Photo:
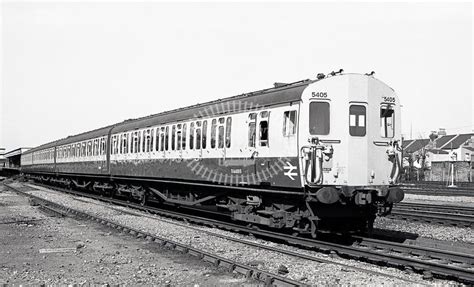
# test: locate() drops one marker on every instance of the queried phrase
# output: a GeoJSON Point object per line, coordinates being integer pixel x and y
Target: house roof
{"type": "Point", "coordinates": [416, 145]}
{"type": "Point", "coordinates": [406, 143]}
{"type": "Point", "coordinates": [457, 141]}
{"type": "Point", "coordinates": [443, 140]}
{"type": "Point", "coordinates": [469, 148]}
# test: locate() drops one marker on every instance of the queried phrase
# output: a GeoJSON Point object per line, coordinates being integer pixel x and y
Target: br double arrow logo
{"type": "Point", "coordinates": [290, 170]}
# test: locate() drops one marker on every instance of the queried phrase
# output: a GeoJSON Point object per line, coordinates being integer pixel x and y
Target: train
{"type": "Point", "coordinates": [317, 155]}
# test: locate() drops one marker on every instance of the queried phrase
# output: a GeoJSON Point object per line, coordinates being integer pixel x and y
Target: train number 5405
{"type": "Point", "coordinates": [389, 99]}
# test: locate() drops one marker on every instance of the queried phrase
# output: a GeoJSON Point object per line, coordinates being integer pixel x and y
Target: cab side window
{"type": "Point", "coordinates": [319, 118]}
{"type": "Point", "coordinates": [387, 121]}
{"type": "Point", "coordinates": [357, 120]}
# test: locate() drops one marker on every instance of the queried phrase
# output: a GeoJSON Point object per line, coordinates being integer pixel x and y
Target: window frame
{"type": "Point", "coordinates": [357, 130]}
{"type": "Point", "coordinates": [252, 130]}
{"type": "Point", "coordinates": [287, 121]}
{"type": "Point", "coordinates": [385, 134]}
{"type": "Point", "coordinates": [328, 119]}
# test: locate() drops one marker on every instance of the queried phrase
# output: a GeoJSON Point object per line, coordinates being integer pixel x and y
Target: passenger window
{"type": "Point", "coordinates": [139, 144]}
{"type": "Point", "coordinates": [221, 137]}
{"type": "Point", "coordinates": [289, 123]}
{"type": "Point", "coordinates": [198, 135]}
{"type": "Point", "coordinates": [162, 139]}
{"type": "Point", "coordinates": [204, 134]}
{"type": "Point", "coordinates": [263, 133]}
{"type": "Point", "coordinates": [228, 125]}
{"type": "Point", "coordinates": [151, 137]}
{"type": "Point", "coordinates": [114, 141]}
{"type": "Point", "coordinates": [213, 133]}
{"type": "Point", "coordinates": [145, 140]}
{"type": "Point", "coordinates": [319, 118]}
{"type": "Point", "coordinates": [117, 143]}
{"type": "Point", "coordinates": [103, 146]}
{"type": "Point", "coordinates": [173, 137]}
{"type": "Point", "coordinates": [191, 136]}
{"type": "Point", "coordinates": [167, 138]}
{"type": "Point", "coordinates": [157, 139]}
{"type": "Point", "coordinates": [357, 121]}
{"type": "Point", "coordinates": [252, 129]}
{"type": "Point", "coordinates": [387, 121]}
{"type": "Point", "coordinates": [135, 144]}
{"type": "Point", "coordinates": [73, 150]}
{"type": "Point", "coordinates": [179, 134]}
{"type": "Point", "coordinates": [125, 143]}
{"type": "Point", "coordinates": [263, 128]}
{"type": "Point", "coordinates": [184, 136]}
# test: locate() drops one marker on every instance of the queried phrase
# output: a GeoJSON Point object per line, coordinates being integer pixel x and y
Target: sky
{"type": "Point", "coordinates": [73, 67]}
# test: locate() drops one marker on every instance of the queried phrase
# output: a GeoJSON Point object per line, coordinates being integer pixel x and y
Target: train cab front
{"type": "Point", "coordinates": [350, 148]}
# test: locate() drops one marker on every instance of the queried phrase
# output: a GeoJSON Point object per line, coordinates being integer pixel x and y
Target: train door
{"type": "Point", "coordinates": [262, 145]}
{"type": "Point", "coordinates": [250, 147]}
{"type": "Point", "coordinates": [103, 155]}
{"type": "Point", "coordinates": [358, 139]}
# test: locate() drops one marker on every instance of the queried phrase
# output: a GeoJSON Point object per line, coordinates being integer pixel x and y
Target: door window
{"type": "Point", "coordinates": [357, 120]}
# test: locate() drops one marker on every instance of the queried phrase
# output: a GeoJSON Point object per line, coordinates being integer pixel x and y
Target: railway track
{"type": "Point", "coordinates": [267, 278]}
{"type": "Point", "coordinates": [462, 216]}
{"type": "Point", "coordinates": [441, 191]}
{"type": "Point", "coordinates": [439, 263]}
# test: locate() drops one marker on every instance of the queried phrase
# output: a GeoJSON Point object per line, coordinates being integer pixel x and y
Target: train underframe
{"type": "Point", "coordinates": [308, 212]}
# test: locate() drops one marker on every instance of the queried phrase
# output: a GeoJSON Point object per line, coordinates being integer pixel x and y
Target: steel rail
{"type": "Point", "coordinates": [446, 215]}
{"type": "Point", "coordinates": [191, 218]}
{"type": "Point", "coordinates": [467, 210]}
{"type": "Point", "coordinates": [436, 192]}
{"type": "Point", "coordinates": [267, 278]}
{"type": "Point", "coordinates": [381, 252]}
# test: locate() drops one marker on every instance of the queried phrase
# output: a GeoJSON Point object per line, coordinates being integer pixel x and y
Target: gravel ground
{"type": "Point", "coordinates": [91, 254]}
{"type": "Point", "coordinates": [309, 272]}
{"type": "Point", "coordinates": [438, 232]}
{"type": "Point", "coordinates": [445, 233]}
{"type": "Point", "coordinates": [435, 199]}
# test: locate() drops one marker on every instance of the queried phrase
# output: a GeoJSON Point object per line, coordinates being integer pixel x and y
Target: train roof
{"type": "Point", "coordinates": [279, 94]}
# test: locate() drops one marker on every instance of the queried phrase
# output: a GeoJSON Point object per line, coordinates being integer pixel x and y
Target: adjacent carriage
{"type": "Point", "coordinates": [312, 155]}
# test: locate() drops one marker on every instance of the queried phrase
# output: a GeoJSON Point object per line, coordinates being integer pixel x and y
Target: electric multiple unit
{"type": "Point", "coordinates": [312, 155]}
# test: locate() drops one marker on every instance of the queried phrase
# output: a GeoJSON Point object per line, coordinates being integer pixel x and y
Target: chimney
{"type": "Point", "coordinates": [442, 132]}
{"type": "Point", "coordinates": [433, 136]}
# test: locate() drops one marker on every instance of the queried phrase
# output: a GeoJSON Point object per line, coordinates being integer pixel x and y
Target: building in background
{"type": "Point", "coordinates": [13, 158]}
{"type": "Point", "coordinates": [2, 157]}
{"type": "Point", "coordinates": [431, 158]}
